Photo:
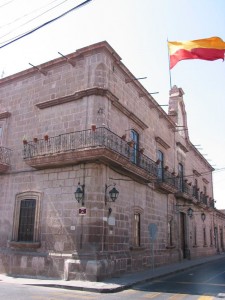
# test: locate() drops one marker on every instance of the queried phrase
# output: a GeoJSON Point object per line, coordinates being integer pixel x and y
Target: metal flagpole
{"type": "Point", "coordinates": [169, 64]}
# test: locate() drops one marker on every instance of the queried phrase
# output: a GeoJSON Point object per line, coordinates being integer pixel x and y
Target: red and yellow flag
{"type": "Point", "coordinates": [208, 49]}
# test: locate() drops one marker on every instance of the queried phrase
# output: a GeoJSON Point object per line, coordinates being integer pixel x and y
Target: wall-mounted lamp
{"type": "Point", "coordinates": [112, 195]}
{"type": "Point", "coordinates": [79, 194]}
{"type": "Point", "coordinates": [190, 212]}
{"type": "Point", "coordinates": [203, 216]}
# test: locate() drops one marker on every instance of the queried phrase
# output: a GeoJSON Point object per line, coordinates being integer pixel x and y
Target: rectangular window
{"type": "Point", "coordinates": [211, 237]}
{"type": "Point", "coordinates": [137, 230]}
{"type": "Point", "coordinates": [26, 220]}
{"type": "Point", "coordinates": [204, 236]}
{"type": "Point", "coordinates": [170, 237]}
{"type": "Point", "coordinates": [195, 236]}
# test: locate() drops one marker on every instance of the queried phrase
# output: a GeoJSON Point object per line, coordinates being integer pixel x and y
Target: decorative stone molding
{"type": "Point", "coordinates": [196, 173]}
{"type": "Point", "coordinates": [182, 147]}
{"type": "Point", "coordinates": [97, 92]}
{"type": "Point", "coordinates": [205, 180]}
{"type": "Point", "coordinates": [78, 95]}
{"type": "Point", "coordinates": [14, 243]}
{"type": "Point", "coordinates": [162, 142]}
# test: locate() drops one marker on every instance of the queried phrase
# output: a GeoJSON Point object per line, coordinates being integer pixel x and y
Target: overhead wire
{"type": "Point", "coordinates": [26, 15]}
{"type": "Point", "coordinates": [44, 24]}
{"type": "Point", "coordinates": [6, 3]}
{"type": "Point", "coordinates": [38, 16]}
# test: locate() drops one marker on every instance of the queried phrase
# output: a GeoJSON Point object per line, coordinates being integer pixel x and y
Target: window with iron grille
{"type": "Point", "coordinates": [26, 220]}
{"type": "Point", "coordinates": [137, 230]}
{"type": "Point", "coordinates": [26, 223]}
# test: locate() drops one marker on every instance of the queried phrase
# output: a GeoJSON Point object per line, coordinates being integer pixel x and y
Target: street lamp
{"type": "Point", "coordinates": [203, 216]}
{"type": "Point", "coordinates": [112, 195]}
{"type": "Point", "coordinates": [190, 212]}
{"type": "Point", "coordinates": [79, 194]}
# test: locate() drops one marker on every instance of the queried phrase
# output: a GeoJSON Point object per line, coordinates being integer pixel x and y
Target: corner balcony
{"type": "Point", "coordinates": [99, 145]}
{"type": "Point", "coordinates": [5, 154]}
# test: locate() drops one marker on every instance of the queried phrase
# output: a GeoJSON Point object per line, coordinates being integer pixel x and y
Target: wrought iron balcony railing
{"type": "Point", "coordinates": [193, 192]}
{"type": "Point", "coordinates": [165, 176]}
{"type": "Point", "coordinates": [5, 154]}
{"type": "Point", "coordinates": [89, 139]}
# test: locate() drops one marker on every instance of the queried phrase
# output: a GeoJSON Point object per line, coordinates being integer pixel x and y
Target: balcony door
{"type": "Point", "coordinates": [135, 138]}
{"type": "Point", "coordinates": [160, 159]}
{"type": "Point", "coordinates": [181, 177]}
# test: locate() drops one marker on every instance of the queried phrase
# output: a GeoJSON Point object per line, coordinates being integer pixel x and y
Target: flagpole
{"type": "Point", "coordinates": [169, 65]}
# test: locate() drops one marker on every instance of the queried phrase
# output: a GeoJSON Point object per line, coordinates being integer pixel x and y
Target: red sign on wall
{"type": "Point", "coordinates": [82, 211]}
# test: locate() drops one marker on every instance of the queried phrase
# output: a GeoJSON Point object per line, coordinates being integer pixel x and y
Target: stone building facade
{"type": "Point", "coordinates": [82, 123]}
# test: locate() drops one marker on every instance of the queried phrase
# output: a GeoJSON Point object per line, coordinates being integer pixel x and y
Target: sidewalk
{"type": "Point", "coordinates": [113, 285]}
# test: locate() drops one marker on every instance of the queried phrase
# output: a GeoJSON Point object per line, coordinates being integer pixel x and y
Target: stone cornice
{"type": "Point", "coordinates": [78, 95]}
{"type": "Point", "coordinates": [5, 115]}
{"type": "Point", "coordinates": [97, 92]}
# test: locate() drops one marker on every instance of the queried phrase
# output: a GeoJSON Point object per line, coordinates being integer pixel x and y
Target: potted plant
{"type": "Point", "coordinates": [46, 137]}
{"type": "Point", "coordinates": [35, 139]}
{"type": "Point", "coordinates": [131, 143]}
{"type": "Point", "coordinates": [142, 150]}
{"type": "Point", "coordinates": [93, 127]}
{"type": "Point", "coordinates": [123, 137]}
{"type": "Point", "coordinates": [24, 140]}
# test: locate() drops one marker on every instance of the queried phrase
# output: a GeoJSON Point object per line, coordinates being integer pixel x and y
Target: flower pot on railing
{"type": "Point", "coordinates": [130, 143]}
{"type": "Point", "coordinates": [35, 140]}
{"type": "Point", "coordinates": [46, 137]}
{"type": "Point", "coordinates": [158, 161]}
{"type": "Point", "coordinates": [123, 137]}
{"type": "Point", "coordinates": [142, 150]}
{"type": "Point", "coordinates": [24, 142]}
{"type": "Point", "coordinates": [93, 127]}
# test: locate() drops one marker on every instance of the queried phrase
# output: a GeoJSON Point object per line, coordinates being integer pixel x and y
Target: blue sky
{"type": "Point", "coordinates": [138, 31]}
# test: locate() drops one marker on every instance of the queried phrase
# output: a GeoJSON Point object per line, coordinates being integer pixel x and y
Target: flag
{"type": "Point", "coordinates": [207, 49]}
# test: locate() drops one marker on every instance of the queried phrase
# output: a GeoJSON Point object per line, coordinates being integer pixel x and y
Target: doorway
{"type": "Point", "coordinates": [183, 236]}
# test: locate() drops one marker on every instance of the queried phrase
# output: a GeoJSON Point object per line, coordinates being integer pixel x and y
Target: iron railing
{"type": "Point", "coordinates": [101, 137]}
{"type": "Point", "coordinates": [164, 176]}
{"type": "Point", "coordinates": [5, 154]}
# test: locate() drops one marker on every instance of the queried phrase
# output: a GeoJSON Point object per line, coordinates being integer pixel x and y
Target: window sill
{"type": "Point", "coordinates": [136, 248]}
{"type": "Point", "coordinates": [170, 247]}
{"type": "Point", "coordinates": [24, 245]}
